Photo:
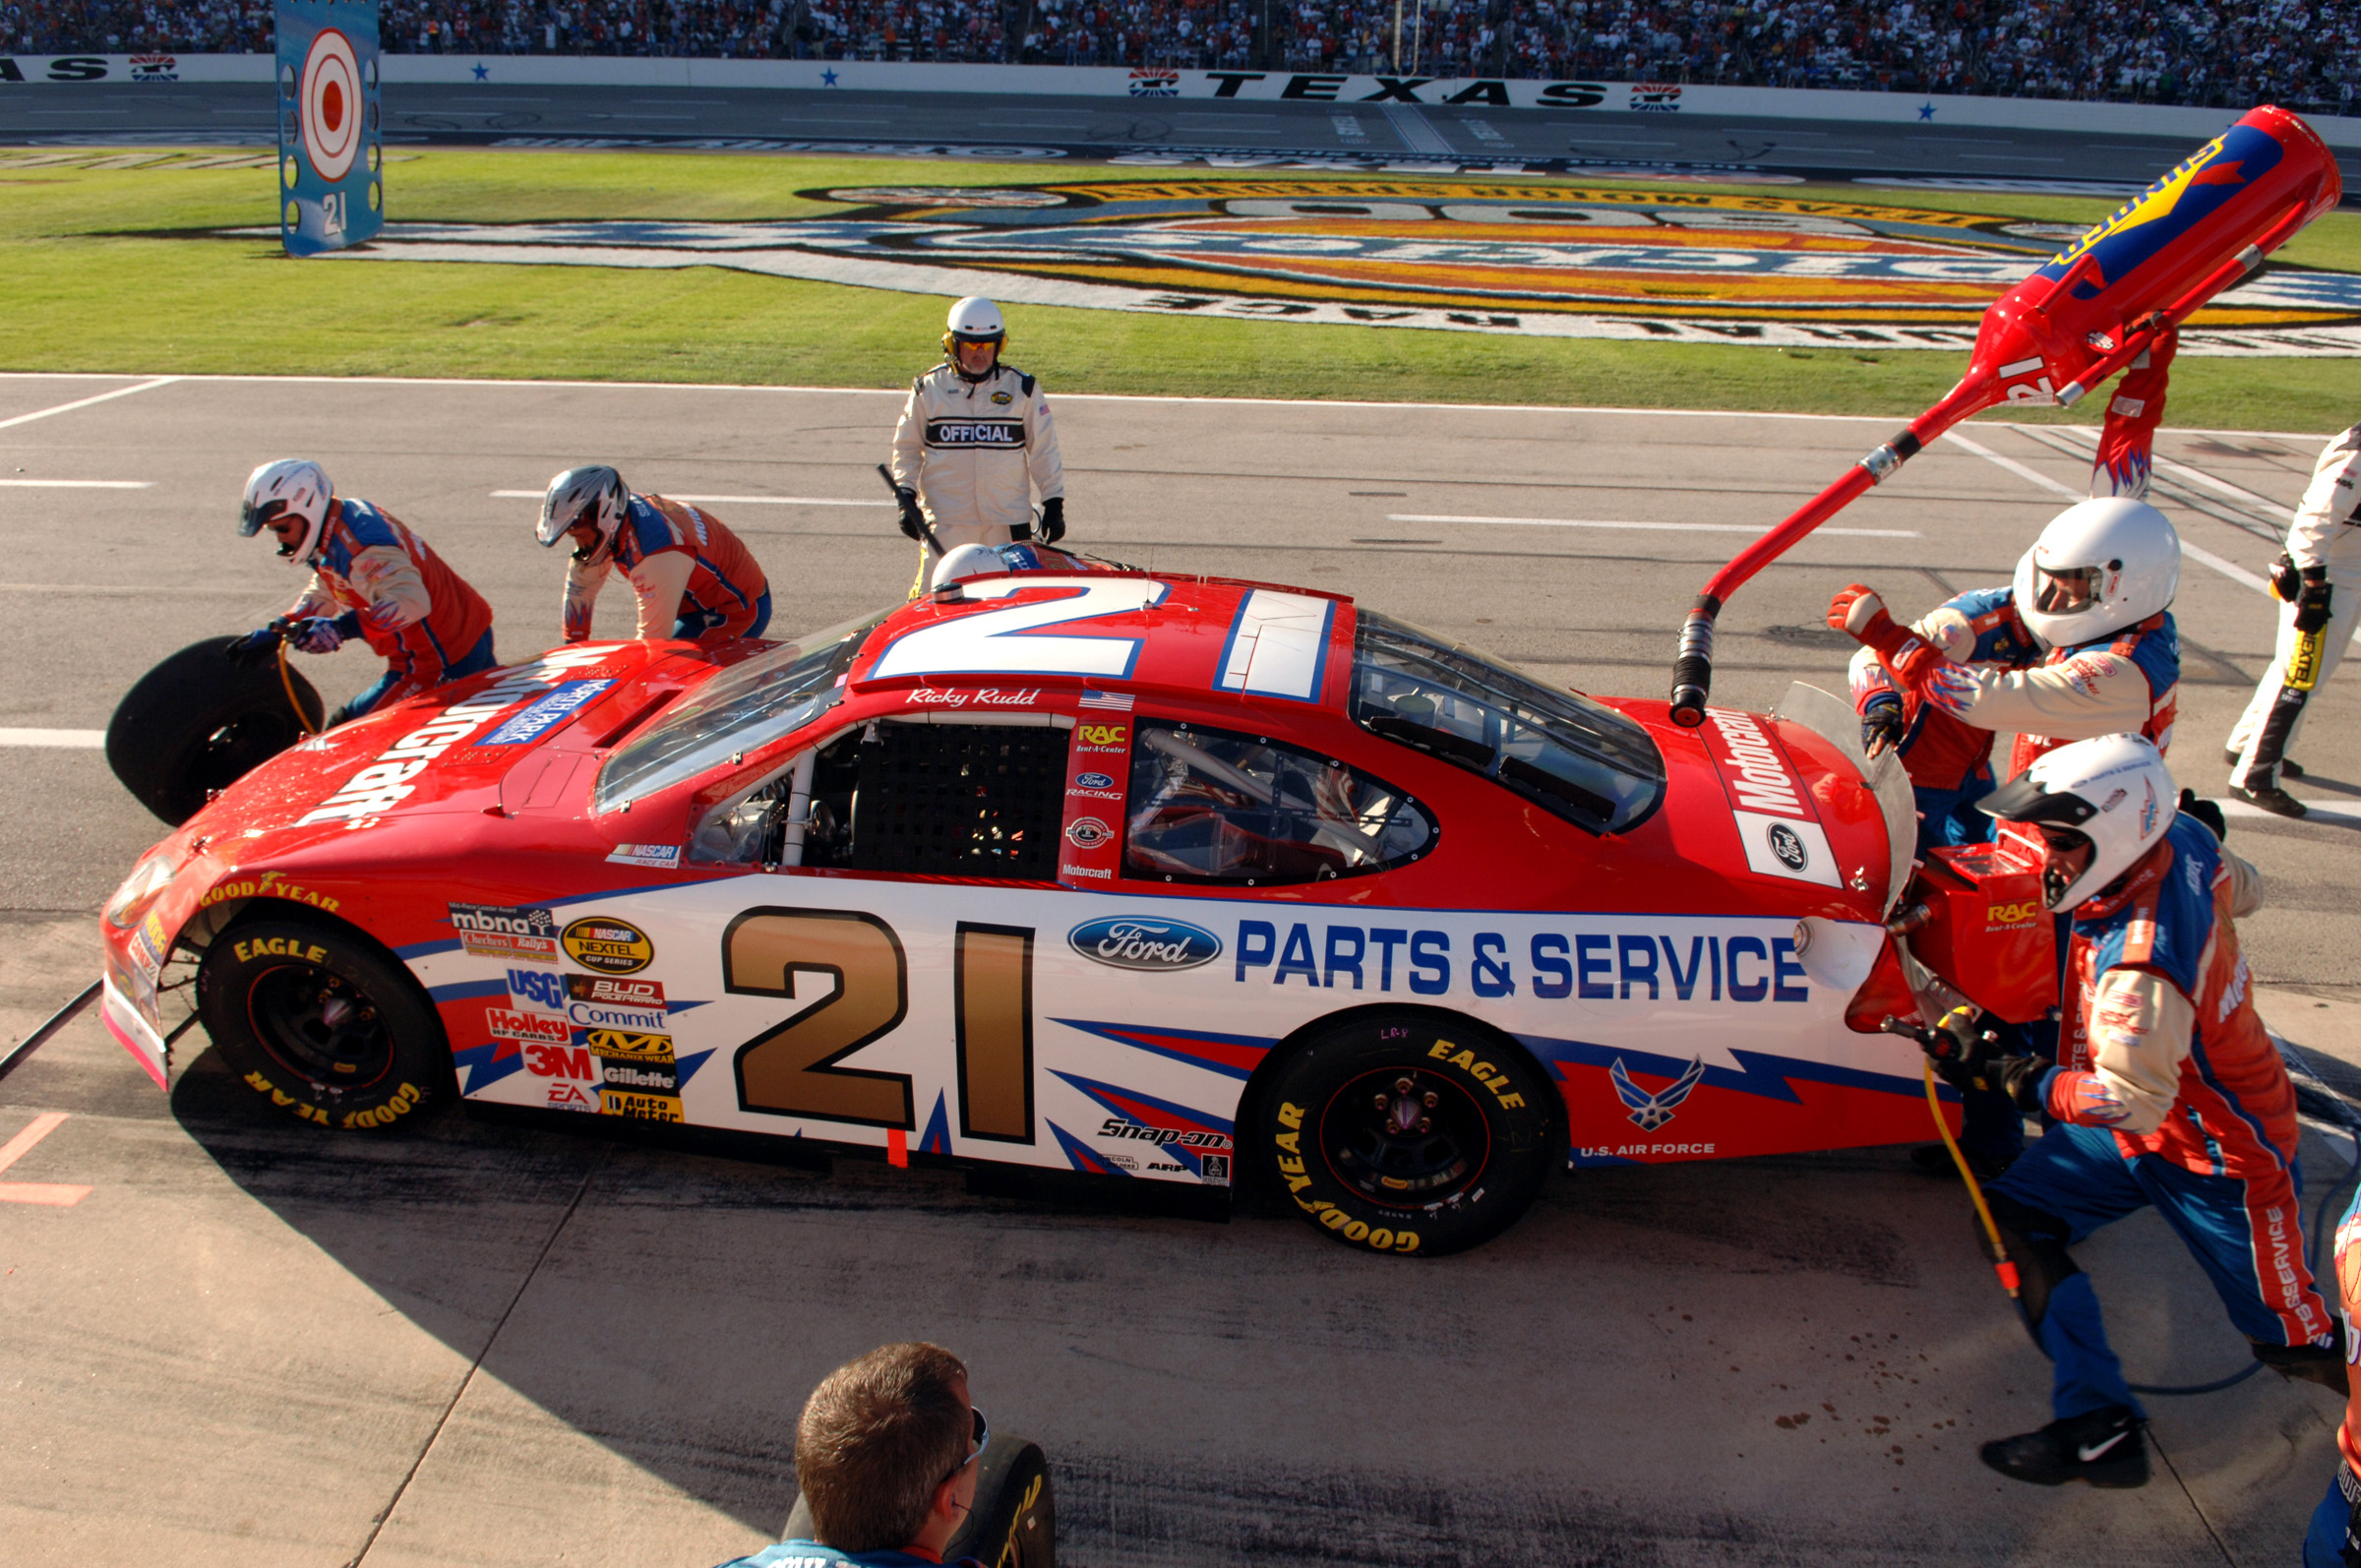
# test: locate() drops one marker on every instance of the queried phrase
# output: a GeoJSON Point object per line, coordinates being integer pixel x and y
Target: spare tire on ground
{"type": "Point", "coordinates": [199, 722]}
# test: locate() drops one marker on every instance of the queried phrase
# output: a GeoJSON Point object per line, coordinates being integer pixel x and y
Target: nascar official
{"type": "Point", "coordinates": [692, 578]}
{"type": "Point", "coordinates": [975, 444]}
{"type": "Point", "coordinates": [372, 580]}
{"type": "Point", "coordinates": [2323, 551]}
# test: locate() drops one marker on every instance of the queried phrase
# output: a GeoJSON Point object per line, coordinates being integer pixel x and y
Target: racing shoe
{"type": "Point", "coordinates": [2103, 1447]}
{"type": "Point", "coordinates": [2289, 765]}
{"type": "Point", "coordinates": [2273, 799]}
{"type": "Point", "coordinates": [2311, 1364]}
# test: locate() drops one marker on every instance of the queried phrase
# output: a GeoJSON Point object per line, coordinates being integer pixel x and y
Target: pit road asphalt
{"type": "Point", "coordinates": [251, 1344]}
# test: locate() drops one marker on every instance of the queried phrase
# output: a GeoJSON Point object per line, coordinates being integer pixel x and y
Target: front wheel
{"type": "Point", "coordinates": [1408, 1132]}
{"type": "Point", "coordinates": [323, 1023]}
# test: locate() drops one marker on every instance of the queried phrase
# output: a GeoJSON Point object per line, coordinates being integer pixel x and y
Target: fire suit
{"type": "Point", "coordinates": [2336, 1523]}
{"type": "Point", "coordinates": [2169, 1092]}
{"type": "Point", "coordinates": [695, 581]}
{"type": "Point", "coordinates": [2325, 545]}
{"type": "Point", "coordinates": [381, 582]}
{"type": "Point", "coordinates": [976, 452]}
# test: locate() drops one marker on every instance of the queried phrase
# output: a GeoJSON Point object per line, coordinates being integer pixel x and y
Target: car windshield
{"type": "Point", "coordinates": [748, 706]}
{"type": "Point", "coordinates": [1576, 758]}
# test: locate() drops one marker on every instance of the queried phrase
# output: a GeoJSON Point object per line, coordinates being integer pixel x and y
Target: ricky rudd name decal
{"type": "Point", "coordinates": [1777, 824]}
{"type": "Point", "coordinates": [385, 781]}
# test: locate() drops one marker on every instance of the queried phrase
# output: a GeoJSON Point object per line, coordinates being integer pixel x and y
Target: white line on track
{"type": "Point", "coordinates": [76, 739]}
{"type": "Point", "coordinates": [1648, 527]}
{"type": "Point", "coordinates": [85, 402]}
{"type": "Point", "coordinates": [718, 501]}
{"type": "Point", "coordinates": [77, 484]}
{"type": "Point", "coordinates": [2332, 811]}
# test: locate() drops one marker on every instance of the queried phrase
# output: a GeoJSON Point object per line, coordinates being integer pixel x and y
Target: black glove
{"type": "Point", "coordinates": [1967, 1056]}
{"type": "Point", "coordinates": [254, 647]}
{"type": "Point", "coordinates": [1053, 519]}
{"type": "Point", "coordinates": [2208, 812]}
{"type": "Point", "coordinates": [914, 521]}
{"type": "Point", "coordinates": [1882, 726]}
{"type": "Point", "coordinates": [2312, 600]}
{"type": "Point", "coordinates": [2285, 582]}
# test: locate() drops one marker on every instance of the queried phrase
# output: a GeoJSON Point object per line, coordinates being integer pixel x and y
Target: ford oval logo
{"type": "Point", "coordinates": [1141, 941]}
{"type": "Point", "coordinates": [1093, 782]}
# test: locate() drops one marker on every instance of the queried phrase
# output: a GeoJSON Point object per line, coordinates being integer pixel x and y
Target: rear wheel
{"type": "Point", "coordinates": [323, 1023]}
{"type": "Point", "coordinates": [1408, 1132]}
{"type": "Point", "coordinates": [199, 722]}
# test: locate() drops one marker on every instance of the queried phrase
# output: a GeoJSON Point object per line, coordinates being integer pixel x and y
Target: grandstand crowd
{"type": "Point", "coordinates": [2229, 53]}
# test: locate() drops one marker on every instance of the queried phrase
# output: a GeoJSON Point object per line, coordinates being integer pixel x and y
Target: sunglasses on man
{"type": "Point", "coordinates": [977, 1436]}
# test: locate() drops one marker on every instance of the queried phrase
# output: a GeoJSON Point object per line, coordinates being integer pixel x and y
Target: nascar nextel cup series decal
{"type": "Point", "coordinates": [1528, 257]}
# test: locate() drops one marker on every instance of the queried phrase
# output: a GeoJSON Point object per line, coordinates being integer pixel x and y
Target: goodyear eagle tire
{"type": "Point", "coordinates": [198, 723]}
{"type": "Point", "coordinates": [324, 1024]}
{"type": "Point", "coordinates": [1413, 1133]}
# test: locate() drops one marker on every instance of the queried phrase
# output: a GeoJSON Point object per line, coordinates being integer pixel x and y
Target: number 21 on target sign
{"type": "Point", "coordinates": [331, 191]}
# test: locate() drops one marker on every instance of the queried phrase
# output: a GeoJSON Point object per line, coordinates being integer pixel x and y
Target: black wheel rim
{"type": "Point", "coordinates": [320, 1026]}
{"type": "Point", "coordinates": [241, 746]}
{"type": "Point", "coordinates": [1404, 1139]}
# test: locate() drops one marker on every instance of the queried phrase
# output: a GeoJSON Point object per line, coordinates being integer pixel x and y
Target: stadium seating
{"type": "Point", "coordinates": [2231, 53]}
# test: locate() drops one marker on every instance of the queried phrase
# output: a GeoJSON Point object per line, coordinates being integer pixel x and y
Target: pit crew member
{"type": "Point", "coordinates": [2322, 555]}
{"type": "Point", "coordinates": [695, 581]}
{"type": "Point", "coordinates": [975, 443]}
{"type": "Point", "coordinates": [373, 580]}
{"type": "Point", "coordinates": [2080, 643]}
{"type": "Point", "coordinates": [2168, 1092]}
{"type": "Point", "coordinates": [2334, 1539]}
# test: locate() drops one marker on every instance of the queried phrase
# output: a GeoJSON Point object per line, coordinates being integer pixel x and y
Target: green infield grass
{"type": "Point", "coordinates": [107, 271]}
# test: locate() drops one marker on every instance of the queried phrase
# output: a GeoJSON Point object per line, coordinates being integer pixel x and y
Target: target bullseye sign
{"type": "Point", "coordinates": [329, 195]}
{"type": "Point", "coordinates": [331, 96]}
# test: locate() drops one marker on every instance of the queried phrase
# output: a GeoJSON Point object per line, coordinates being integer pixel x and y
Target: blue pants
{"type": "Point", "coordinates": [2323, 1542]}
{"type": "Point", "coordinates": [2075, 1179]}
{"type": "Point", "coordinates": [697, 623]}
{"type": "Point", "coordinates": [479, 659]}
{"type": "Point", "coordinates": [1950, 816]}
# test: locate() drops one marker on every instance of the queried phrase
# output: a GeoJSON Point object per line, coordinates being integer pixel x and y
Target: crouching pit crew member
{"type": "Point", "coordinates": [2168, 1093]}
{"type": "Point", "coordinates": [2080, 643]}
{"type": "Point", "coordinates": [974, 444]}
{"type": "Point", "coordinates": [695, 581]}
{"type": "Point", "coordinates": [373, 580]}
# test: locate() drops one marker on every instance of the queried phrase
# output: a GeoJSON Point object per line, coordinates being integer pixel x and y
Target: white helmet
{"type": "Point", "coordinates": [972, 320]}
{"type": "Point", "coordinates": [984, 559]}
{"type": "Point", "coordinates": [2100, 566]}
{"type": "Point", "coordinates": [2113, 791]}
{"type": "Point", "coordinates": [592, 495]}
{"type": "Point", "coordinates": [292, 486]}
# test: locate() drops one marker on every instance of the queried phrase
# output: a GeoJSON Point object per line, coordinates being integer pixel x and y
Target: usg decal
{"type": "Point", "coordinates": [611, 946]}
{"type": "Point", "coordinates": [1139, 941]}
{"type": "Point", "coordinates": [536, 989]}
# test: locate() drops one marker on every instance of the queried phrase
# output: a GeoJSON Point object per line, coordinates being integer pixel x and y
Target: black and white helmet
{"type": "Point", "coordinates": [287, 487]}
{"type": "Point", "coordinates": [2113, 791]}
{"type": "Point", "coordinates": [593, 495]}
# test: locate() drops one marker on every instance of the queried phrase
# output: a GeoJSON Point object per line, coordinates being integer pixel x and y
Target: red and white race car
{"type": "Point", "coordinates": [1107, 872]}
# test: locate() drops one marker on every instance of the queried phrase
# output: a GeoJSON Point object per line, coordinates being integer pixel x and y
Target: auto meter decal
{"type": "Point", "coordinates": [1776, 823]}
{"type": "Point", "coordinates": [611, 946]}
{"type": "Point", "coordinates": [1532, 257]}
{"type": "Point", "coordinates": [1144, 941]}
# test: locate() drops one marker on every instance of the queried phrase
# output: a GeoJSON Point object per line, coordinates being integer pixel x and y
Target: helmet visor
{"type": "Point", "coordinates": [254, 517]}
{"type": "Point", "coordinates": [2070, 591]}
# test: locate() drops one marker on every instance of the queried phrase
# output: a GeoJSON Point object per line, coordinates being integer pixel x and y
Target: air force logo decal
{"type": "Point", "coordinates": [1650, 1111]}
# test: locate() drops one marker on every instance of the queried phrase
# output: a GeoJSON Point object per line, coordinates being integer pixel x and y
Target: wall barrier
{"type": "Point", "coordinates": [1114, 81]}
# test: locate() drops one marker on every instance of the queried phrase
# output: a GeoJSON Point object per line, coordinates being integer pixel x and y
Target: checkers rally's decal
{"type": "Point", "coordinates": [1532, 256]}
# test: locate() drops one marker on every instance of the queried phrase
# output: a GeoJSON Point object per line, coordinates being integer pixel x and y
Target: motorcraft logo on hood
{"type": "Point", "coordinates": [385, 781]}
{"type": "Point", "coordinates": [1778, 825]}
{"type": "Point", "coordinates": [1141, 941]}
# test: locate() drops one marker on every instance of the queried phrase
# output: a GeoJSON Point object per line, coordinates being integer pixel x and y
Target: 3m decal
{"type": "Point", "coordinates": [611, 946]}
{"type": "Point", "coordinates": [560, 1061]}
{"type": "Point", "coordinates": [493, 931]}
{"type": "Point", "coordinates": [1138, 942]}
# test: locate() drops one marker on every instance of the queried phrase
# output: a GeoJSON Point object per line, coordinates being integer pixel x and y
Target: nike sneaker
{"type": "Point", "coordinates": [2103, 1447]}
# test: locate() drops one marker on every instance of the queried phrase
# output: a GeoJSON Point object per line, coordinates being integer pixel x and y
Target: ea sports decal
{"type": "Point", "coordinates": [328, 156]}
{"type": "Point", "coordinates": [1535, 258]}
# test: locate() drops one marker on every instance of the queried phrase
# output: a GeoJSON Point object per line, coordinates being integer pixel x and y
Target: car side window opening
{"type": "Point", "coordinates": [944, 800]}
{"type": "Point", "coordinates": [1209, 805]}
{"type": "Point", "coordinates": [1575, 757]}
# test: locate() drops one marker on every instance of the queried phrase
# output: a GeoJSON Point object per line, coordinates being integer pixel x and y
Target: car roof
{"type": "Point", "coordinates": [1120, 631]}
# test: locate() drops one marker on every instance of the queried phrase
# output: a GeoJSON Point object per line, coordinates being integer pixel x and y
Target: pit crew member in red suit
{"type": "Point", "coordinates": [372, 580]}
{"type": "Point", "coordinates": [2167, 1092]}
{"type": "Point", "coordinates": [695, 581]}
{"type": "Point", "coordinates": [2334, 1539]}
{"type": "Point", "coordinates": [975, 443]}
{"type": "Point", "coordinates": [2080, 644]}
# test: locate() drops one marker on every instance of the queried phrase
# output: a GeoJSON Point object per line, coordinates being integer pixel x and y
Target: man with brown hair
{"type": "Point", "coordinates": [886, 1453]}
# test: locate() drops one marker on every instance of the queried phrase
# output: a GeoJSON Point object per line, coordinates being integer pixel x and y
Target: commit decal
{"type": "Point", "coordinates": [1528, 257]}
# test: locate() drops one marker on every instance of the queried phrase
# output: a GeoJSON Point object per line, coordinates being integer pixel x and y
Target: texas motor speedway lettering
{"type": "Point", "coordinates": [1526, 258]}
